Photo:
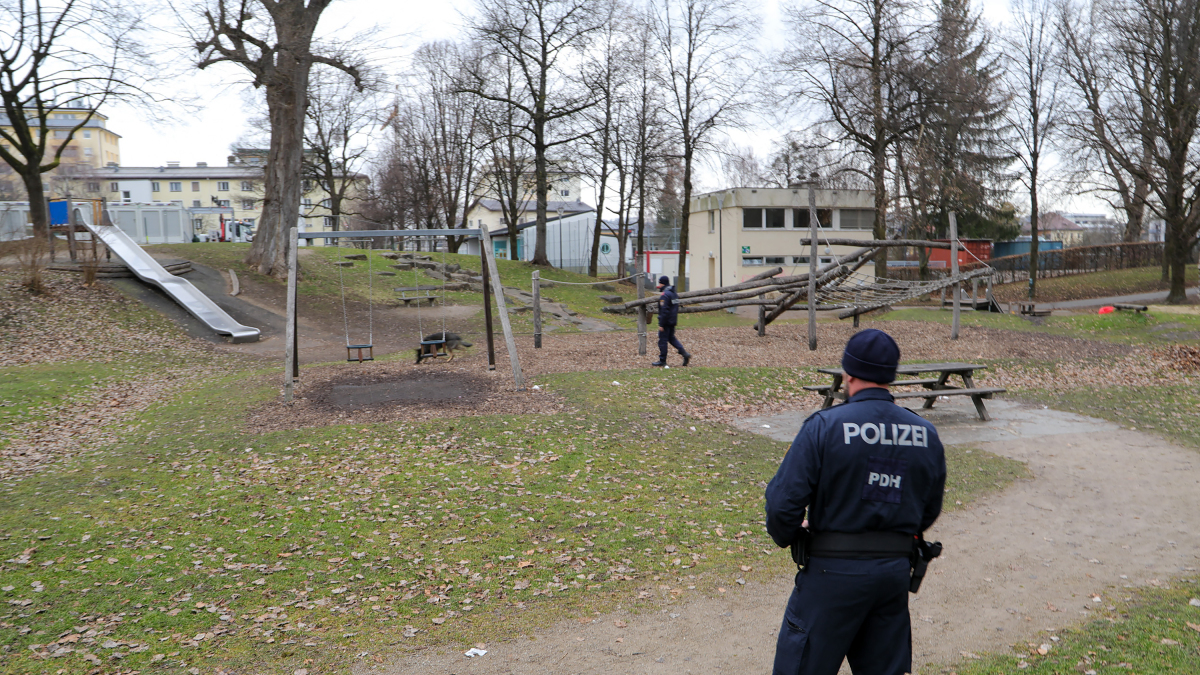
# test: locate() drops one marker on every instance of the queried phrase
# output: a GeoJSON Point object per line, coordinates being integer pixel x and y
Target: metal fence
{"type": "Point", "coordinates": [1078, 260]}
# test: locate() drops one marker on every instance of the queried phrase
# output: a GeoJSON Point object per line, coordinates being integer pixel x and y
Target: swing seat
{"type": "Point", "coordinates": [431, 349]}
{"type": "Point", "coordinates": [350, 355]}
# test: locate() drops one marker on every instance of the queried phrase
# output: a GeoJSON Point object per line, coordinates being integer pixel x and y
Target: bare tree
{"type": "Point", "coordinates": [273, 41]}
{"type": "Point", "coordinates": [1033, 116]}
{"type": "Point", "coordinates": [648, 135]}
{"type": "Point", "coordinates": [704, 52]}
{"type": "Point", "coordinates": [340, 119]}
{"type": "Point", "coordinates": [606, 77]}
{"type": "Point", "coordinates": [542, 38]}
{"type": "Point", "coordinates": [740, 167]}
{"type": "Point", "coordinates": [1103, 148]}
{"type": "Point", "coordinates": [1155, 46]}
{"type": "Point", "coordinates": [449, 124]}
{"type": "Point", "coordinates": [60, 62]}
{"type": "Point", "coordinates": [504, 145]}
{"type": "Point", "coordinates": [852, 62]}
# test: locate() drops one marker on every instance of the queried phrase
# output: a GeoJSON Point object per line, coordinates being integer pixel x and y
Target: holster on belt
{"type": "Point", "coordinates": [801, 549]}
{"type": "Point", "coordinates": [922, 552]}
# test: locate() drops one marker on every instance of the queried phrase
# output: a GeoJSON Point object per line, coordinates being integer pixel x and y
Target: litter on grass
{"type": "Point", "coordinates": [473, 652]}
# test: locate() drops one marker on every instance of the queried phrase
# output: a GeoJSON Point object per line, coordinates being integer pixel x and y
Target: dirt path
{"type": "Point", "coordinates": [1108, 508]}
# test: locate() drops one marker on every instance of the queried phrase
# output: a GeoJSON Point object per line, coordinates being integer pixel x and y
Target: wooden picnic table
{"type": "Point", "coordinates": [932, 386]}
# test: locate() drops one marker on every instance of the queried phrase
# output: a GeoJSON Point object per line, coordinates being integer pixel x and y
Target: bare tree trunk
{"type": "Point", "coordinates": [285, 158]}
{"type": "Point", "coordinates": [684, 214]}
{"type": "Point", "coordinates": [39, 215]}
{"type": "Point", "coordinates": [594, 258]}
{"type": "Point", "coordinates": [1033, 233]}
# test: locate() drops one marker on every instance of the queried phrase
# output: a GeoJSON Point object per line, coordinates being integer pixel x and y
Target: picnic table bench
{"type": "Point", "coordinates": [932, 387]}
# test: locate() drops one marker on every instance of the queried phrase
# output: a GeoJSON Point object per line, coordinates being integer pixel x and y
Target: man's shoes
{"type": "Point", "coordinates": [659, 364]}
{"type": "Point", "coordinates": [686, 357]}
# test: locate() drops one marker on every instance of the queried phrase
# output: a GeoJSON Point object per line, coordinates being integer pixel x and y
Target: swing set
{"type": "Point", "coordinates": [431, 346]}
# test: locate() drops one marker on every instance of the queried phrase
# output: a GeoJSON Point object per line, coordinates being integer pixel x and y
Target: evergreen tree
{"type": "Point", "coordinates": [956, 161]}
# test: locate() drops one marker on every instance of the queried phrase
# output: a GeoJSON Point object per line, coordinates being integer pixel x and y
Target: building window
{"type": "Point", "coordinates": [306, 202]}
{"type": "Point", "coordinates": [306, 185]}
{"type": "Point", "coordinates": [326, 203]}
{"type": "Point", "coordinates": [247, 186]}
{"type": "Point", "coordinates": [752, 261]}
{"type": "Point", "coordinates": [774, 218]}
{"type": "Point", "coordinates": [87, 134]}
{"type": "Point", "coordinates": [858, 219]}
{"type": "Point", "coordinates": [803, 260]}
{"type": "Point", "coordinates": [712, 222]}
{"type": "Point", "coordinates": [223, 203]}
{"type": "Point", "coordinates": [154, 187]}
{"type": "Point", "coordinates": [198, 223]}
{"type": "Point", "coordinates": [195, 186]}
{"type": "Point", "coordinates": [195, 203]}
{"type": "Point", "coordinates": [93, 187]}
{"type": "Point", "coordinates": [774, 260]}
{"type": "Point", "coordinates": [752, 218]}
{"type": "Point", "coordinates": [800, 218]}
{"type": "Point", "coordinates": [60, 134]}
{"type": "Point", "coordinates": [222, 186]}
{"type": "Point", "coordinates": [125, 196]}
{"type": "Point", "coordinates": [87, 152]}
{"type": "Point", "coordinates": [114, 187]}
{"type": "Point", "coordinates": [330, 221]}
{"type": "Point", "coordinates": [176, 187]}
{"type": "Point", "coordinates": [248, 204]}
{"type": "Point", "coordinates": [566, 193]}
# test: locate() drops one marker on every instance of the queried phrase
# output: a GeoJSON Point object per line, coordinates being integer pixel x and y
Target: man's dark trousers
{"type": "Point", "coordinates": [666, 335]}
{"type": "Point", "coordinates": [852, 608]}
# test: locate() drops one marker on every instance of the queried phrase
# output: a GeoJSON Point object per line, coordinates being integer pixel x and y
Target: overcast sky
{"type": "Point", "coordinates": [206, 136]}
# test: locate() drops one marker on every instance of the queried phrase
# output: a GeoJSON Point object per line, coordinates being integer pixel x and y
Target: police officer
{"type": "Point", "coordinates": [871, 476]}
{"type": "Point", "coordinates": [668, 316]}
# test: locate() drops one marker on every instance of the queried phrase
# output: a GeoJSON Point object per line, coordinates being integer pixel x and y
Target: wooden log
{"type": "Point", "coordinates": [766, 284]}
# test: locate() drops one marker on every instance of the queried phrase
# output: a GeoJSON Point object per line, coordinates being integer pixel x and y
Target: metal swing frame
{"type": "Point", "coordinates": [491, 280]}
{"type": "Point", "coordinates": [370, 345]}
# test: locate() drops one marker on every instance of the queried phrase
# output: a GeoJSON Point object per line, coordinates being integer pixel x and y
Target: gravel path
{"type": "Point", "coordinates": [1107, 509]}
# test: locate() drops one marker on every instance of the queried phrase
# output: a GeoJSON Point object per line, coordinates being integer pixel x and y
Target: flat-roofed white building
{"type": "Point", "coordinates": [734, 234]}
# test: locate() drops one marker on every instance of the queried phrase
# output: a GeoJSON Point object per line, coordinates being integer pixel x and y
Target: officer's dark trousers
{"type": "Point", "coordinates": [666, 335]}
{"type": "Point", "coordinates": [857, 609]}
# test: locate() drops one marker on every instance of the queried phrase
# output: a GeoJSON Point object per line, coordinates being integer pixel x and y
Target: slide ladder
{"type": "Point", "coordinates": [181, 290]}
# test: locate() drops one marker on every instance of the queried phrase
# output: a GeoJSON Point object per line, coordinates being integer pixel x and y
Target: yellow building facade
{"type": "Point", "coordinates": [234, 191]}
{"type": "Point", "coordinates": [92, 147]}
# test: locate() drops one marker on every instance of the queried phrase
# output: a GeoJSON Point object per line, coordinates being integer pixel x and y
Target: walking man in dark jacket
{"type": "Point", "coordinates": [870, 476]}
{"type": "Point", "coordinates": [668, 316]}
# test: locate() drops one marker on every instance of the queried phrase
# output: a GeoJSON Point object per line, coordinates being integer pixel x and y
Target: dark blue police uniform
{"type": "Point", "coordinates": [865, 466]}
{"type": "Point", "coordinates": [668, 317]}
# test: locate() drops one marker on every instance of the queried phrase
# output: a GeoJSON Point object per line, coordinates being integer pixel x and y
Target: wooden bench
{"type": "Point", "coordinates": [1030, 309]}
{"type": "Point", "coordinates": [1135, 308]}
{"type": "Point", "coordinates": [406, 299]}
{"type": "Point", "coordinates": [977, 396]}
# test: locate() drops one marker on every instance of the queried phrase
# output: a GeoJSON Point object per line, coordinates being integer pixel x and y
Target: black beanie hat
{"type": "Point", "coordinates": [664, 281]}
{"type": "Point", "coordinates": [871, 355]}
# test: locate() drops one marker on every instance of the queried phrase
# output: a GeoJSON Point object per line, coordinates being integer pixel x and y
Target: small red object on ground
{"type": "Point", "coordinates": [1107, 310]}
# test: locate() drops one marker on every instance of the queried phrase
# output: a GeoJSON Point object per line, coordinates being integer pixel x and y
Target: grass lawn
{"type": "Point", "coordinates": [1133, 328]}
{"type": "Point", "coordinates": [194, 540]}
{"type": "Point", "coordinates": [1151, 631]}
{"type": "Point", "coordinates": [1092, 285]}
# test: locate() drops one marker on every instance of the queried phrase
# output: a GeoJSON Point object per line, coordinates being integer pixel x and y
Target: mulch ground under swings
{"type": "Point", "coordinates": [394, 391]}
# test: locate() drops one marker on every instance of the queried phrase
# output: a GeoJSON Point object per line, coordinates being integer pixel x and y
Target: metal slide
{"type": "Point", "coordinates": [181, 290]}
